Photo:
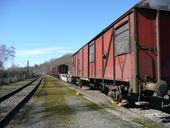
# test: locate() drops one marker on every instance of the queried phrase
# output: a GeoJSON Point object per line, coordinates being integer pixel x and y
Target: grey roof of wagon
{"type": "Point", "coordinates": [147, 4]}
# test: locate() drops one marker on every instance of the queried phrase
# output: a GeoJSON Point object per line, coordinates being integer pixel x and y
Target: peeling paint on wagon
{"type": "Point", "coordinates": [139, 65]}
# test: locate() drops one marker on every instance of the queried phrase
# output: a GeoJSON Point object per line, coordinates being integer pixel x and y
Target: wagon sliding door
{"type": "Point", "coordinates": [79, 63]}
{"type": "Point", "coordinates": [122, 53]}
{"type": "Point", "coordinates": [92, 60]}
{"type": "Point", "coordinates": [146, 45]}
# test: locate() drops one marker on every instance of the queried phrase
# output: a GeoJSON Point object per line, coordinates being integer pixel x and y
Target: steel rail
{"type": "Point", "coordinates": [13, 92]}
{"type": "Point", "coordinates": [5, 121]}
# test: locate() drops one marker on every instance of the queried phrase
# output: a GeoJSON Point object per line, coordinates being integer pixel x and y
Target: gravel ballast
{"type": "Point", "coordinates": [9, 104]}
{"type": "Point", "coordinates": [149, 117]}
{"type": "Point", "coordinates": [7, 88]}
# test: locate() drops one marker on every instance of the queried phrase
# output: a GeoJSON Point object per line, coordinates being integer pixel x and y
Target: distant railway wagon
{"type": "Point", "coordinates": [131, 56]}
{"type": "Point", "coordinates": [62, 71]}
{"type": "Point", "coordinates": [58, 70]}
{"type": "Point", "coordinates": [53, 72]}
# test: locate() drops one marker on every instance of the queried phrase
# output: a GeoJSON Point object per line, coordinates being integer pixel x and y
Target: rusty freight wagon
{"type": "Point", "coordinates": [62, 71]}
{"type": "Point", "coordinates": [58, 70]}
{"type": "Point", "coordinates": [53, 72]}
{"type": "Point", "coordinates": [131, 56]}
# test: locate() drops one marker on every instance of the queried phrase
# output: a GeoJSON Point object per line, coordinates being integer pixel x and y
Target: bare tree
{"type": "Point", "coordinates": [5, 54]}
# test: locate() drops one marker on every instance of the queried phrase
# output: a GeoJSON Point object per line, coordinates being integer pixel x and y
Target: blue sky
{"type": "Point", "coordinates": [45, 29]}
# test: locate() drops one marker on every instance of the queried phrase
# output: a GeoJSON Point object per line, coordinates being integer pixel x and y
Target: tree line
{"type": "Point", "coordinates": [13, 73]}
{"type": "Point", "coordinates": [46, 67]}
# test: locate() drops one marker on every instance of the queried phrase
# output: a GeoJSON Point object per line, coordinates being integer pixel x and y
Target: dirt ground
{"type": "Point", "coordinates": [57, 106]}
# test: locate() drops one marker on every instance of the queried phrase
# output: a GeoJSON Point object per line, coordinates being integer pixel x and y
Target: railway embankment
{"type": "Point", "coordinates": [56, 104]}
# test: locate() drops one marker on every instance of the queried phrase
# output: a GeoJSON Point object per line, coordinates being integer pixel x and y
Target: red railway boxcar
{"type": "Point", "coordinates": [53, 72]}
{"type": "Point", "coordinates": [130, 56]}
{"type": "Point", "coordinates": [62, 71]}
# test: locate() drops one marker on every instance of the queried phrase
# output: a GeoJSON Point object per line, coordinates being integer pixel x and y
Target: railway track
{"type": "Point", "coordinates": [12, 102]}
{"type": "Point", "coordinates": [13, 92]}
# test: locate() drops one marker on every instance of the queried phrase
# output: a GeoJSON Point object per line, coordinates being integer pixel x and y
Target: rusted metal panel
{"type": "Point", "coordinates": [133, 41]}
{"type": "Point", "coordinates": [99, 58]}
{"type": "Point", "coordinates": [109, 67]}
{"type": "Point", "coordinates": [158, 45]}
{"type": "Point", "coordinates": [121, 40]}
{"type": "Point", "coordinates": [85, 61]}
{"type": "Point", "coordinates": [53, 71]}
{"type": "Point", "coordinates": [123, 57]}
{"type": "Point", "coordinates": [108, 62]}
{"type": "Point", "coordinates": [146, 28]}
{"type": "Point", "coordinates": [147, 65]}
{"type": "Point", "coordinates": [122, 21]}
{"type": "Point", "coordinates": [165, 45]}
{"type": "Point", "coordinates": [91, 72]}
{"type": "Point", "coordinates": [107, 36]}
{"type": "Point", "coordinates": [91, 60]}
{"type": "Point", "coordinates": [79, 63]}
{"type": "Point", "coordinates": [141, 59]}
{"type": "Point", "coordinates": [74, 65]}
{"type": "Point", "coordinates": [146, 46]}
{"type": "Point", "coordinates": [123, 67]}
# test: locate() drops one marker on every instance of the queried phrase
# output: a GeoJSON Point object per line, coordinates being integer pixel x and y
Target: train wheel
{"type": "Point", "coordinates": [118, 96]}
{"type": "Point", "coordinates": [80, 83]}
{"type": "Point", "coordinates": [112, 94]}
{"type": "Point", "coordinates": [161, 88]}
{"type": "Point", "coordinates": [105, 89]}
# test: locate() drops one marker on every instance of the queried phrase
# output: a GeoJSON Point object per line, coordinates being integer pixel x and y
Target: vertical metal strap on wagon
{"type": "Point", "coordinates": [82, 72]}
{"type": "Point", "coordinates": [158, 44]}
{"type": "Point", "coordinates": [95, 61]}
{"type": "Point", "coordinates": [114, 61]}
{"type": "Point", "coordinates": [135, 86]}
{"type": "Point", "coordinates": [103, 60]}
{"type": "Point", "coordinates": [88, 60]}
{"type": "Point", "coordinates": [107, 58]}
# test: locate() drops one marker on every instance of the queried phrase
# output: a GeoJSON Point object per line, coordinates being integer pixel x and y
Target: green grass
{"type": "Point", "coordinates": [6, 88]}
{"type": "Point", "coordinates": [25, 113]}
{"type": "Point", "coordinates": [55, 105]}
{"type": "Point", "coordinates": [55, 92]}
{"type": "Point", "coordinates": [145, 123]}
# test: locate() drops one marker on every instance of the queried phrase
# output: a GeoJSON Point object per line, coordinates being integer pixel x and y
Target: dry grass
{"type": "Point", "coordinates": [56, 108]}
{"type": "Point", "coordinates": [6, 88]}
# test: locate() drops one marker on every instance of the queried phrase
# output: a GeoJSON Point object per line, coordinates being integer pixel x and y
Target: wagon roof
{"type": "Point", "coordinates": [148, 4]}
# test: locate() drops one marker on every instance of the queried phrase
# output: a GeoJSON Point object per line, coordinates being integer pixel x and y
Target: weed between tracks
{"type": "Point", "coordinates": [56, 109]}
{"type": "Point", "coordinates": [145, 124]}
{"type": "Point", "coordinates": [55, 96]}
{"type": "Point", "coordinates": [52, 106]}
{"type": "Point", "coordinates": [11, 86]}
